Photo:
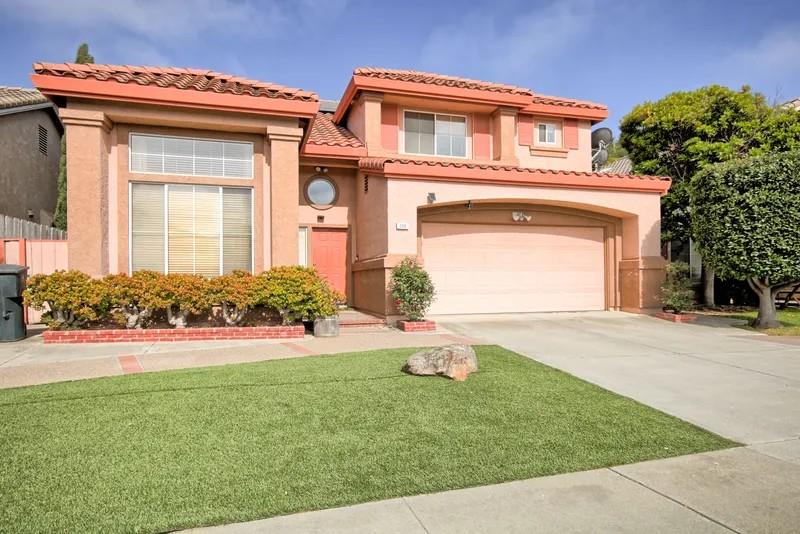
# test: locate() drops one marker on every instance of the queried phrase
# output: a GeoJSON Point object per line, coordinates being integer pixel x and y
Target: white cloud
{"type": "Point", "coordinates": [498, 44]}
{"type": "Point", "coordinates": [149, 31]}
{"type": "Point", "coordinates": [777, 51]}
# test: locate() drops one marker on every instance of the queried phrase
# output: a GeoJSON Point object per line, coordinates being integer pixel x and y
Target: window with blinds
{"type": "Point", "coordinates": [158, 154]}
{"type": "Point", "coordinates": [195, 229]}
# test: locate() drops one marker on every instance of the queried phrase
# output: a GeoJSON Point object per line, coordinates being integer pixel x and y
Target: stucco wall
{"type": "Point", "coordinates": [28, 178]}
{"type": "Point", "coordinates": [640, 212]}
{"type": "Point", "coordinates": [579, 159]}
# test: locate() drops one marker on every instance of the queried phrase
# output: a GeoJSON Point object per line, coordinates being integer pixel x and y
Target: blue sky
{"type": "Point", "coordinates": [616, 52]}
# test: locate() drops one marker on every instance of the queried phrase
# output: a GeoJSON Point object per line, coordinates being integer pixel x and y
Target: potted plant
{"type": "Point", "coordinates": [676, 294]}
{"type": "Point", "coordinates": [413, 292]}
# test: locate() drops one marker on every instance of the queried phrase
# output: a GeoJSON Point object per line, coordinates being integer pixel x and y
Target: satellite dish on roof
{"type": "Point", "coordinates": [602, 134]}
{"type": "Point", "coordinates": [601, 157]}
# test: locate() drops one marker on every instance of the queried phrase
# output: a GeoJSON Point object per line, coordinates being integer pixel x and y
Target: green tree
{"type": "Point", "coordinates": [82, 55]}
{"type": "Point", "coordinates": [686, 131]}
{"type": "Point", "coordinates": [746, 218]}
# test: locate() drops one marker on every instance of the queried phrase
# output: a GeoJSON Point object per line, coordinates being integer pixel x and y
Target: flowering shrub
{"type": "Point", "coordinates": [676, 291]}
{"type": "Point", "coordinates": [183, 295]}
{"type": "Point", "coordinates": [236, 293]}
{"type": "Point", "coordinates": [297, 293]}
{"type": "Point", "coordinates": [134, 297]}
{"type": "Point", "coordinates": [70, 298]}
{"type": "Point", "coordinates": [412, 289]}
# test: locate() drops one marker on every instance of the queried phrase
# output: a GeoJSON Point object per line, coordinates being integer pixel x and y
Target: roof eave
{"type": "Point", "coordinates": [426, 90]}
{"type": "Point", "coordinates": [144, 94]}
{"type": "Point", "coordinates": [576, 112]}
{"type": "Point", "coordinates": [332, 151]}
{"type": "Point", "coordinates": [522, 176]}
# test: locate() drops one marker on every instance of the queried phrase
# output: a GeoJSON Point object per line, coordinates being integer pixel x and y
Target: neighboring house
{"type": "Point", "coordinates": [793, 103]}
{"type": "Point", "coordinates": [30, 147]}
{"type": "Point", "coordinates": [622, 165]}
{"type": "Point", "coordinates": [489, 185]}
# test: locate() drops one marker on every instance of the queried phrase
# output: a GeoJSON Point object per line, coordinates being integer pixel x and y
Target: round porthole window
{"type": "Point", "coordinates": [321, 192]}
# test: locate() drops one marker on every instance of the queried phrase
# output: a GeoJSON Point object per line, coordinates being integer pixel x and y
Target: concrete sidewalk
{"type": "Point", "coordinates": [31, 362]}
{"type": "Point", "coordinates": [736, 490]}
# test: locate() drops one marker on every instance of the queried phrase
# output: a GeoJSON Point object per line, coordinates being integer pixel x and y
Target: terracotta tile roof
{"type": "Point", "coordinates": [180, 78]}
{"type": "Point", "coordinates": [12, 97]}
{"type": "Point", "coordinates": [439, 79]}
{"type": "Point", "coordinates": [377, 164]}
{"type": "Point", "coordinates": [568, 102]}
{"type": "Point", "coordinates": [325, 132]}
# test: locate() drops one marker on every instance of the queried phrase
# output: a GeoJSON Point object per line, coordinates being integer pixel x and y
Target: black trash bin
{"type": "Point", "coordinates": [12, 309]}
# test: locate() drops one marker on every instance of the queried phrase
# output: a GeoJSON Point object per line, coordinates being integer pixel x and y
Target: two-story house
{"type": "Point", "coordinates": [488, 185]}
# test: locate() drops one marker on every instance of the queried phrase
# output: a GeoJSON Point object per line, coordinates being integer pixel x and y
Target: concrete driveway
{"type": "Point", "coordinates": [727, 380]}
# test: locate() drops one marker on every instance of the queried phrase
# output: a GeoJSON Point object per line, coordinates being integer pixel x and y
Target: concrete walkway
{"type": "Point", "coordinates": [31, 362]}
{"type": "Point", "coordinates": [741, 385]}
{"type": "Point", "coordinates": [737, 490]}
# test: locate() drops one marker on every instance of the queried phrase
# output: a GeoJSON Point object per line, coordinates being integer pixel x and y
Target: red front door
{"type": "Point", "coordinates": [329, 256]}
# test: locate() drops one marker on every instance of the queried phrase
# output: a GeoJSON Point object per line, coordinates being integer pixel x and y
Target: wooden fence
{"type": "Point", "coordinates": [41, 256]}
{"type": "Point", "coordinates": [11, 227]}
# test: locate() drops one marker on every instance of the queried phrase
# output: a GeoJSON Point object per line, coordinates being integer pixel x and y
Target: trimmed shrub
{"type": "Point", "coordinates": [412, 289]}
{"type": "Point", "coordinates": [69, 298]}
{"type": "Point", "coordinates": [676, 291]}
{"type": "Point", "coordinates": [237, 293]}
{"type": "Point", "coordinates": [297, 293]}
{"type": "Point", "coordinates": [184, 294]}
{"type": "Point", "coordinates": [134, 298]}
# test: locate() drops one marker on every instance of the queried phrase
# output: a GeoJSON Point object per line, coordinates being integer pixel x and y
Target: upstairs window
{"type": "Point", "coordinates": [434, 134]}
{"type": "Point", "coordinates": [158, 154]}
{"type": "Point", "coordinates": [547, 133]}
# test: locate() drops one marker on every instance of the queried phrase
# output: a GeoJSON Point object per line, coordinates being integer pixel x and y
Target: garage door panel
{"type": "Point", "coordinates": [495, 269]}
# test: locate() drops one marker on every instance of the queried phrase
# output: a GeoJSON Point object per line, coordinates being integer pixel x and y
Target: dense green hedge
{"type": "Point", "coordinates": [71, 298]}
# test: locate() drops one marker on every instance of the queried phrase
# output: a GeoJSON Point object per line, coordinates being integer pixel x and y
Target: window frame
{"type": "Point", "coordinates": [165, 187]}
{"type": "Point", "coordinates": [558, 133]}
{"type": "Point", "coordinates": [467, 134]}
{"type": "Point", "coordinates": [321, 207]}
{"type": "Point", "coordinates": [191, 138]}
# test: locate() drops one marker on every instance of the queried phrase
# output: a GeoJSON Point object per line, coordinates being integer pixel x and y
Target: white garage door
{"type": "Point", "coordinates": [498, 268]}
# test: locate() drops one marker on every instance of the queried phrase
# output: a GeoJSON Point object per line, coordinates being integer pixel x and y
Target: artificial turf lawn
{"type": "Point", "coordinates": [789, 318]}
{"type": "Point", "coordinates": [175, 449]}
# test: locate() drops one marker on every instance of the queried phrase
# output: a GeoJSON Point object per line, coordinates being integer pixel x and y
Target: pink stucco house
{"type": "Point", "coordinates": [489, 185]}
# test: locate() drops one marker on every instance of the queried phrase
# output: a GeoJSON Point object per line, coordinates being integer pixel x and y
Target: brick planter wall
{"type": "Point", "coordinates": [176, 334]}
{"type": "Point", "coordinates": [677, 317]}
{"type": "Point", "coordinates": [416, 326]}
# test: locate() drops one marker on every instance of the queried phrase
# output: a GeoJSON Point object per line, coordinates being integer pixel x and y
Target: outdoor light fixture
{"type": "Point", "coordinates": [469, 204]}
{"type": "Point", "coordinates": [431, 198]}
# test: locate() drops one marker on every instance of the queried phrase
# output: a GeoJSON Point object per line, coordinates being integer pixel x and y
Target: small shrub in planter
{"type": "Point", "coordinates": [134, 298]}
{"type": "Point", "coordinates": [676, 291]}
{"type": "Point", "coordinates": [237, 293]}
{"type": "Point", "coordinates": [69, 298]}
{"type": "Point", "coordinates": [412, 289]}
{"type": "Point", "coordinates": [297, 293]}
{"type": "Point", "coordinates": [184, 294]}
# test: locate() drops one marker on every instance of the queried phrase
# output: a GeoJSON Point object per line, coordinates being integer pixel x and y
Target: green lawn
{"type": "Point", "coordinates": [789, 318]}
{"type": "Point", "coordinates": [161, 451]}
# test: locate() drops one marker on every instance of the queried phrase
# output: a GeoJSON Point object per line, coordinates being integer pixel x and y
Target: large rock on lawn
{"type": "Point", "coordinates": [454, 361]}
